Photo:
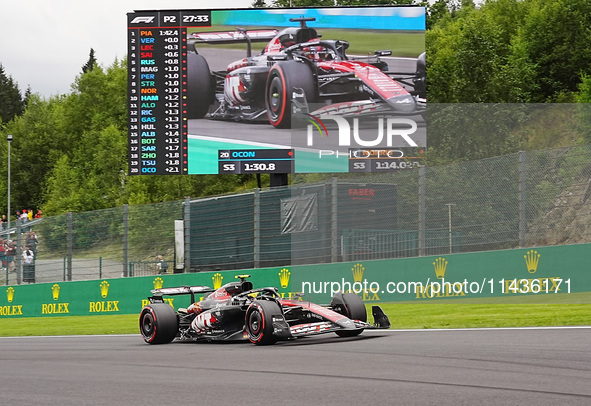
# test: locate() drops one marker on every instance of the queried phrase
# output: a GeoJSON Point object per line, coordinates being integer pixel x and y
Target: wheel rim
{"type": "Point", "coordinates": [148, 325]}
{"type": "Point", "coordinates": [274, 98]}
{"type": "Point", "coordinates": [255, 323]}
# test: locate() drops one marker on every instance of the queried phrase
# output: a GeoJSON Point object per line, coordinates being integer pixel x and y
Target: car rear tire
{"type": "Point", "coordinates": [200, 86]}
{"type": "Point", "coordinates": [349, 305]}
{"type": "Point", "coordinates": [259, 322]}
{"type": "Point", "coordinates": [282, 79]}
{"type": "Point", "coordinates": [158, 323]}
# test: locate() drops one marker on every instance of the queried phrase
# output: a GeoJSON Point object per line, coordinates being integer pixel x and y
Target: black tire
{"type": "Point", "coordinates": [281, 80]}
{"type": "Point", "coordinates": [420, 80]}
{"type": "Point", "coordinates": [259, 322]}
{"type": "Point", "coordinates": [349, 305]}
{"type": "Point", "coordinates": [200, 86]}
{"type": "Point", "coordinates": [158, 323]}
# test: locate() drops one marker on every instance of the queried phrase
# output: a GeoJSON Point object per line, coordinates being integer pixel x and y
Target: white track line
{"type": "Point", "coordinates": [414, 330]}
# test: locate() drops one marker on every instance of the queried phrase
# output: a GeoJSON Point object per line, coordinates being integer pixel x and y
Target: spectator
{"type": "Point", "coordinates": [10, 253]}
{"type": "Point", "coordinates": [161, 265]}
{"type": "Point", "coordinates": [30, 214]}
{"type": "Point", "coordinates": [2, 253]}
{"type": "Point", "coordinates": [24, 216]}
{"type": "Point", "coordinates": [4, 221]}
{"type": "Point", "coordinates": [39, 214]}
{"type": "Point", "coordinates": [28, 266]}
{"type": "Point", "coordinates": [31, 241]}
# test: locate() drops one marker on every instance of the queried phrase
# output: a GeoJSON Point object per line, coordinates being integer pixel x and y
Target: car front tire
{"type": "Point", "coordinates": [349, 305]}
{"type": "Point", "coordinates": [259, 322]}
{"type": "Point", "coordinates": [201, 86]}
{"type": "Point", "coordinates": [282, 79]}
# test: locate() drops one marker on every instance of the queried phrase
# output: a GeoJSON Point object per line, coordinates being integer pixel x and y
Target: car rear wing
{"type": "Point", "coordinates": [239, 36]}
{"type": "Point", "coordinates": [229, 37]}
{"type": "Point", "coordinates": [181, 290]}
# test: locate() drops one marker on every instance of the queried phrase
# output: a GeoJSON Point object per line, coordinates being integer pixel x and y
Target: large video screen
{"type": "Point", "coordinates": [276, 90]}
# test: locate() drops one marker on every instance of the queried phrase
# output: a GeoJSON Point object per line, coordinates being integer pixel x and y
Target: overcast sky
{"type": "Point", "coordinates": [44, 43]}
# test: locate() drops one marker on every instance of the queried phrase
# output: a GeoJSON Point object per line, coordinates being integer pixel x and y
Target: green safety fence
{"type": "Point", "coordinates": [540, 274]}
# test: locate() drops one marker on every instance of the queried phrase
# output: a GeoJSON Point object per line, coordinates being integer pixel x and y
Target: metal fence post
{"type": "Point", "coordinates": [522, 198]}
{"type": "Point", "coordinates": [422, 209]}
{"type": "Point", "coordinates": [333, 222]}
{"type": "Point", "coordinates": [19, 252]}
{"type": "Point", "coordinates": [257, 229]}
{"type": "Point", "coordinates": [187, 232]}
{"type": "Point", "coordinates": [125, 240]}
{"type": "Point", "coordinates": [70, 251]}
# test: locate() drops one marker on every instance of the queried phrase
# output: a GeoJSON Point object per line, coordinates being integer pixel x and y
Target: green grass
{"type": "Point", "coordinates": [69, 325]}
{"type": "Point", "coordinates": [460, 315]}
{"type": "Point", "coordinates": [406, 44]}
{"type": "Point", "coordinates": [402, 316]}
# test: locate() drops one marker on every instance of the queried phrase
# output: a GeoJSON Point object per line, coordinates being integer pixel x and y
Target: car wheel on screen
{"type": "Point", "coordinates": [200, 86]}
{"type": "Point", "coordinates": [420, 82]}
{"type": "Point", "coordinates": [158, 323]}
{"type": "Point", "coordinates": [282, 79]}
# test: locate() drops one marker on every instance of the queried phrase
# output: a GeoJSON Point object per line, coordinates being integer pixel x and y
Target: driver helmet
{"type": "Point", "coordinates": [315, 53]}
{"type": "Point", "coordinates": [287, 40]}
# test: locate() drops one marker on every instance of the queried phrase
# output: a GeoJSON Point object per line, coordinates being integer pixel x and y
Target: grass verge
{"type": "Point", "coordinates": [402, 316]}
{"type": "Point", "coordinates": [69, 325]}
{"type": "Point", "coordinates": [401, 43]}
{"type": "Point", "coordinates": [456, 315]}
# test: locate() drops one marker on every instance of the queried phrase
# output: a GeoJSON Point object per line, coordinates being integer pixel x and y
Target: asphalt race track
{"type": "Point", "coordinates": [444, 367]}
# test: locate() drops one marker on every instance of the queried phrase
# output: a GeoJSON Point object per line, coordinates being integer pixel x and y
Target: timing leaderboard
{"type": "Point", "coordinates": [157, 85]}
{"type": "Point", "coordinates": [255, 161]}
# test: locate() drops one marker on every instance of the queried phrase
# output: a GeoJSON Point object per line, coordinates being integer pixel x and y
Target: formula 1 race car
{"type": "Point", "coordinates": [236, 311]}
{"type": "Point", "coordinates": [294, 69]}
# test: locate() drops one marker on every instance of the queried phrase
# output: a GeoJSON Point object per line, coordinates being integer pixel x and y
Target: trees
{"type": "Point", "coordinates": [86, 177]}
{"type": "Point", "coordinates": [509, 51]}
{"type": "Point", "coordinates": [583, 97]}
{"type": "Point", "coordinates": [11, 101]}
{"type": "Point", "coordinates": [469, 55]}
{"type": "Point", "coordinates": [302, 3]}
{"type": "Point", "coordinates": [506, 51]}
{"type": "Point", "coordinates": [36, 147]}
{"type": "Point", "coordinates": [75, 142]}
{"type": "Point", "coordinates": [556, 40]}
{"type": "Point", "coordinates": [89, 65]}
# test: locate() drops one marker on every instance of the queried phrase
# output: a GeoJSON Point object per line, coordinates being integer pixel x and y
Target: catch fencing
{"type": "Point", "coordinates": [519, 200]}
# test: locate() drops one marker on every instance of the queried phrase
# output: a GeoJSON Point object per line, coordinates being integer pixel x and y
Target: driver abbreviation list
{"type": "Point", "coordinates": [157, 135]}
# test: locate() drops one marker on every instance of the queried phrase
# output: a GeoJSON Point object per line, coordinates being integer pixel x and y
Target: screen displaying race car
{"type": "Point", "coordinates": [236, 311]}
{"type": "Point", "coordinates": [296, 65]}
{"type": "Point", "coordinates": [221, 91]}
